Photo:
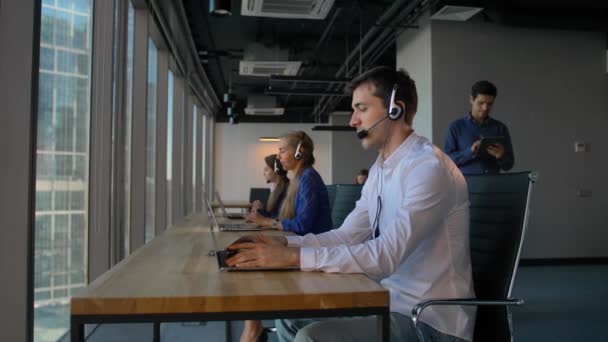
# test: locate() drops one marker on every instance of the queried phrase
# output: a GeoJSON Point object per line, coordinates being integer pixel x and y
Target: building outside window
{"type": "Point", "coordinates": [151, 139]}
{"type": "Point", "coordinates": [62, 165]}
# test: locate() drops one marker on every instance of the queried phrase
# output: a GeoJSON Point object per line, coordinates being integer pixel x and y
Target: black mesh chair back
{"type": "Point", "coordinates": [498, 217]}
{"type": "Point", "coordinates": [344, 202]}
{"type": "Point", "coordinates": [260, 194]}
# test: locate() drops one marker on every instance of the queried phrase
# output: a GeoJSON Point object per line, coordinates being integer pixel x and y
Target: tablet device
{"type": "Point", "coordinates": [488, 141]}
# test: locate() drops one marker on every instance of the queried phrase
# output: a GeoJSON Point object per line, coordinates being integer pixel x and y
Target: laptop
{"type": "Point", "coordinates": [230, 226]}
{"type": "Point", "coordinates": [225, 254]}
{"type": "Point", "coordinates": [223, 209]}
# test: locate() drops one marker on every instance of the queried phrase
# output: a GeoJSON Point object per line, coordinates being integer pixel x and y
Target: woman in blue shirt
{"type": "Point", "coordinates": [306, 205]}
{"type": "Point", "coordinates": [305, 208]}
{"type": "Point", "coordinates": [277, 177]}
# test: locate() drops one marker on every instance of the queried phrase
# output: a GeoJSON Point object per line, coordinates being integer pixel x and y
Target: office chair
{"type": "Point", "coordinates": [331, 193]}
{"type": "Point", "coordinates": [344, 202]}
{"type": "Point", "coordinates": [498, 219]}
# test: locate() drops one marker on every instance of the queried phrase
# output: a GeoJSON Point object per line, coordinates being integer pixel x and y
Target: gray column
{"type": "Point", "coordinates": [101, 140]}
{"type": "Point", "coordinates": [19, 39]}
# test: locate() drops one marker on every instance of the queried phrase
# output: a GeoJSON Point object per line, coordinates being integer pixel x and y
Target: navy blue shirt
{"type": "Point", "coordinates": [464, 132]}
{"type": "Point", "coordinates": [313, 214]}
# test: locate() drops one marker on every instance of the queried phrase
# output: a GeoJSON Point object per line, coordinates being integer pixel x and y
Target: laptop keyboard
{"type": "Point", "coordinates": [224, 255]}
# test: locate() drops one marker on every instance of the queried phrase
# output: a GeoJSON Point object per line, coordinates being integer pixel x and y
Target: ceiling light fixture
{"type": "Point", "coordinates": [219, 8]}
{"type": "Point", "coordinates": [269, 139]}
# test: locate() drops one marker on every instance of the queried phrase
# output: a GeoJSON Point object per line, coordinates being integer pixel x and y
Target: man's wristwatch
{"type": "Point", "coordinates": [275, 224]}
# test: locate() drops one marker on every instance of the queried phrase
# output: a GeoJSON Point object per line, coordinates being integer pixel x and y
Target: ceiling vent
{"type": "Point", "coordinates": [263, 105]}
{"type": "Point", "coordinates": [290, 9]}
{"type": "Point", "coordinates": [264, 111]}
{"type": "Point", "coordinates": [266, 69]}
{"type": "Point", "coordinates": [456, 13]}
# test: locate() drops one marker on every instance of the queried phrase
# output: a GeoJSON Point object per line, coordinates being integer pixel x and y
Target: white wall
{"type": "Point", "coordinates": [414, 54]}
{"type": "Point", "coordinates": [239, 155]}
{"type": "Point", "coordinates": [348, 157]}
{"type": "Point", "coordinates": [552, 91]}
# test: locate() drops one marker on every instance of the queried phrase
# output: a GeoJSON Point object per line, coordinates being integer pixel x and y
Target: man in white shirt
{"type": "Point", "coordinates": [409, 230]}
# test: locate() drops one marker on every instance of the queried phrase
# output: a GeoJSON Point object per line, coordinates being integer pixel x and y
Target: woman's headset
{"type": "Point", "coordinates": [298, 154]}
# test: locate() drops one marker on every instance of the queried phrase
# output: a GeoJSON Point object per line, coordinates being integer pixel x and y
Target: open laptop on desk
{"type": "Point", "coordinates": [239, 226]}
{"type": "Point", "coordinates": [223, 209]}
{"type": "Point", "coordinates": [223, 255]}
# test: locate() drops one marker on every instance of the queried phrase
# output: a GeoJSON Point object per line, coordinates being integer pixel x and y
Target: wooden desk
{"type": "Point", "coordinates": [173, 279]}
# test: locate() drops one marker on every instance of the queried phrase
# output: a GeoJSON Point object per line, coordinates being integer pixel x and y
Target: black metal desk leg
{"type": "Point", "coordinates": [156, 335]}
{"type": "Point", "coordinates": [76, 331]}
{"type": "Point", "coordinates": [228, 331]}
{"type": "Point", "coordinates": [384, 321]}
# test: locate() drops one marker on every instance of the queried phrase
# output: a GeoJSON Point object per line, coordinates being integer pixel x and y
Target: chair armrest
{"type": "Point", "coordinates": [418, 308]}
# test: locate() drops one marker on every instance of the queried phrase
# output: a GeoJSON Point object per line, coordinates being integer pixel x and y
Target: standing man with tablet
{"type": "Point", "coordinates": [477, 143]}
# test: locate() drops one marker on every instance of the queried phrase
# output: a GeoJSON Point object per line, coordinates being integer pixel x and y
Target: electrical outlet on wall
{"type": "Point", "coordinates": [581, 146]}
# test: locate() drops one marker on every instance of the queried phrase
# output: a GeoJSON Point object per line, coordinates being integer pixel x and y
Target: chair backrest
{"type": "Point", "coordinates": [498, 219]}
{"type": "Point", "coordinates": [331, 193]}
{"type": "Point", "coordinates": [260, 194]}
{"type": "Point", "coordinates": [346, 196]}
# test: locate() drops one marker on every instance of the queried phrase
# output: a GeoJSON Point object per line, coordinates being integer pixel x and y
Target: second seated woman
{"type": "Point", "coordinates": [276, 176]}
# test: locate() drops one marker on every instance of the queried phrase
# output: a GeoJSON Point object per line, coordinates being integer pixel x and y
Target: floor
{"type": "Point", "coordinates": [563, 303]}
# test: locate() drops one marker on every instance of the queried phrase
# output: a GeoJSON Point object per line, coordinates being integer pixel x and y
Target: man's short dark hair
{"type": "Point", "coordinates": [384, 78]}
{"type": "Point", "coordinates": [483, 88]}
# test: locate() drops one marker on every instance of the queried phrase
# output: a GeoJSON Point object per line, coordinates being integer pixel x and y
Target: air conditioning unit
{"type": "Point", "coordinates": [263, 105]}
{"type": "Point", "coordinates": [267, 68]}
{"type": "Point", "coordinates": [290, 9]}
{"type": "Point", "coordinates": [265, 111]}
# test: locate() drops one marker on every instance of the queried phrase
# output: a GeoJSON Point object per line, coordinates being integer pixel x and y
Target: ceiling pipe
{"type": "Point", "coordinates": [383, 40]}
{"type": "Point", "coordinates": [371, 33]}
{"type": "Point", "coordinates": [324, 36]}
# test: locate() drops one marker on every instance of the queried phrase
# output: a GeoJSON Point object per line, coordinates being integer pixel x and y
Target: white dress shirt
{"type": "Point", "coordinates": [422, 251]}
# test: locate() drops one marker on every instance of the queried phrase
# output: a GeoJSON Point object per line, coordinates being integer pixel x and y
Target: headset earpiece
{"type": "Point", "coordinates": [276, 167]}
{"type": "Point", "coordinates": [394, 110]}
{"type": "Point", "coordinates": [298, 154]}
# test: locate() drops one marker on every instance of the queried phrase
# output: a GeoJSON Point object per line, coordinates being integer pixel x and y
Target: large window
{"type": "Point", "coordinates": [151, 138]}
{"type": "Point", "coordinates": [194, 143]}
{"type": "Point", "coordinates": [60, 247]}
{"type": "Point", "coordinates": [205, 156]}
{"type": "Point", "coordinates": [170, 149]}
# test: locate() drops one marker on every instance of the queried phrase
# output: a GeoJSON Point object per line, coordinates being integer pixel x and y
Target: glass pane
{"type": "Point", "coordinates": [60, 237]}
{"type": "Point", "coordinates": [127, 127]}
{"type": "Point", "coordinates": [194, 189]}
{"type": "Point", "coordinates": [170, 149]}
{"type": "Point", "coordinates": [204, 156]}
{"type": "Point", "coordinates": [151, 139]}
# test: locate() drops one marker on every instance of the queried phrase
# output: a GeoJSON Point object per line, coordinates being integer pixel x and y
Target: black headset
{"type": "Point", "coordinates": [394, 109]}
{"type": "Point", "coordinates": [298, 154]}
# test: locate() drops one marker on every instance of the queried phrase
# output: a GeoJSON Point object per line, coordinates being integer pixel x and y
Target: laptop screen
{"type": "Point", "coordinates": [210, 215]}
{"type": "Point", "coordinates": [219, 200]}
